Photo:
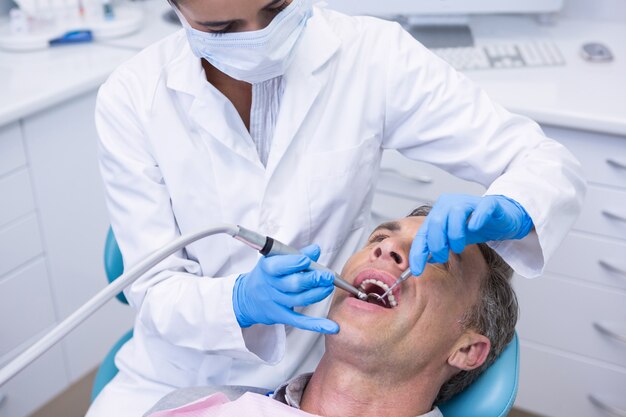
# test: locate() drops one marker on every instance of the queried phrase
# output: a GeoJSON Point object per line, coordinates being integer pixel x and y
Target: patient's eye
{"type": "Point", "coordinates": [378, 237]}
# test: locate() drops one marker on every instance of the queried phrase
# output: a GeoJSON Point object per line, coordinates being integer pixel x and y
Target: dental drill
{"type": "Point", "coordinates": [266, 245]}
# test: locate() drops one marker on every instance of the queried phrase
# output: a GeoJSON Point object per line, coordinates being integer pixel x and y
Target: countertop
{"type": "Point", "coordinates": [579, 95]}
{"type": "Point", "coordinates": [33, 81]}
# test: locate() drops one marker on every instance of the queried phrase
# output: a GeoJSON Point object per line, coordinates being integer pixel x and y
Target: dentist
{"type": "Point", "coordinates": [274, 114]}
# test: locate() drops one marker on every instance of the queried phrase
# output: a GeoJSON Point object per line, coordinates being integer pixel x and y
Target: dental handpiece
{"type": "Point", "coordinates": [268, 246]}
{"type": "Point", "coordinates": [403, 277]}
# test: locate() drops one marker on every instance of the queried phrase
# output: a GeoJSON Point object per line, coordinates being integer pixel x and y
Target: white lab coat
{"type": "Point", "coordinates": [175, 157]}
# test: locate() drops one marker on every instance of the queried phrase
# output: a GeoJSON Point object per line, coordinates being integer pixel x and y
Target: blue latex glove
{"type": "Point", "coordinates": [268, 293]}
{"type": "Point", "coordinates": [492, 217]}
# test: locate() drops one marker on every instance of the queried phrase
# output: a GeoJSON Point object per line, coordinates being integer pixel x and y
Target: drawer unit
{"type": "Point", "coordinates": [35, 385]}
{"type": "Point", "coordinates": [583, 319]}
{"type": "Point", "coordinates": [11, 149]}
{"type": "Point", "coordinates": [420, 180]}
{"type": "Point", "coordinates": [604, 212]}
{"type": "Point", "coordinates": [19, 242]}
{"type": "Point", "coordinates": [590, 258]}
{"type": "Point", "coordinates": [16, 191]}
{"type": "Point", "coordinates": [559, 385]}
{"type": "Point", "coordinates": [603, 157]}
{"type": "Point", "coordinates": [25, 294]}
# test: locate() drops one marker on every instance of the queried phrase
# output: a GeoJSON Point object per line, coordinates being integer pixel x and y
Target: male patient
{"type": "Point", "coordinates": [449, 325]}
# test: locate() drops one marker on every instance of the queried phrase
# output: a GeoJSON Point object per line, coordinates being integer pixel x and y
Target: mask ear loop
{"type": "Point", "coordinates": [180, 16]}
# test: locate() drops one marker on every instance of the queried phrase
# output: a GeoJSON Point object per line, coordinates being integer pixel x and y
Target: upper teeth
{"type": "Point", "coordinates": [385, 287]}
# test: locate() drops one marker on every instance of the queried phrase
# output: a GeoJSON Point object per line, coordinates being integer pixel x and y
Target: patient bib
{"type": "Point", "coordinates": [218, 405]}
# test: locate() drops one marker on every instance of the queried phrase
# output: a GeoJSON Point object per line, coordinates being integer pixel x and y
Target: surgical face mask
{"type": "Point", "coordinates": [254, 56]}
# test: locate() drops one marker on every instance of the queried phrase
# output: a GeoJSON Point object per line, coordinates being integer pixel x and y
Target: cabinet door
{"type": "Point", "coordinates": [561, 385]}
{"type": "Point", "coordinates": [20, 242]}
{"type": "Point", "coordinates": [11, 149]}
{"type": "Point", "coordinates": [15, 187]}
{"type": "Point", "coordinates": [603, 157]}
{"type": "Point", "coordinates": [61, 145]}
{"type": "Point", "coordinates": [24, 294]}
{"type": "Point", "coordinates": [573, 316]}
{"type": "Point", "coordinates": [404, 184]}
{"type": "Point", "coordinates": [596, 259]}
{"type": "Point", "coordinates": [35, 385]}
{"type": "Point", "coordinates": [420, 180]}
{"type": "Point", "coordinates": [604, 212]}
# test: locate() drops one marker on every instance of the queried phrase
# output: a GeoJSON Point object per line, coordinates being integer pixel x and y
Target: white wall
{"type": "Point", "coordinates": [609, 10]}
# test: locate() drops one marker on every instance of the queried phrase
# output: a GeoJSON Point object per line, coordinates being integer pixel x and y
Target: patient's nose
{"type": "Point", "coordinates": [391, 249]}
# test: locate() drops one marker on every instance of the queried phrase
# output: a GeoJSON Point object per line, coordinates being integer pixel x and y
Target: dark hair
{"type": "Point", "coordinates": [494, 315]}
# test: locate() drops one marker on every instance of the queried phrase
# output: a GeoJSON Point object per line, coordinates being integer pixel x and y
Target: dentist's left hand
{"type": "Point", "coordinates": [268, 293]}
{"type": "Point", "coordinates": [457, 220]}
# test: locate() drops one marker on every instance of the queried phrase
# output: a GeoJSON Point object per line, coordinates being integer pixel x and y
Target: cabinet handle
{"type": "Point", "coordinates": [611, 268]}
{"type": "Point", "coordinates": [616, 164]}
{"type": "Point", "coordinates": [609, 410]}
{"type": "Point", "coordinates": [423, 179]}
{"type": "Point", "coordinates": [614, 216]}
{"type": "Point", "coordinates": [609, 333]}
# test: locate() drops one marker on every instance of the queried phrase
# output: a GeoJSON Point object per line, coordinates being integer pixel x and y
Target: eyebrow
{"type": "Point", "coordinates": [391, 226]}
{"type": "Point", "coordinates": [218, 23]}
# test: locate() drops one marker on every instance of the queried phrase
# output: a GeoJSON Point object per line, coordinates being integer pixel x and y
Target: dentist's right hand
{"type": "Point", "coordinates": [268, 293]}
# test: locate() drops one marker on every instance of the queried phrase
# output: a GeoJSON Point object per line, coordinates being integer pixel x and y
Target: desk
{"type": "Point", "coordinates": [580, 95]}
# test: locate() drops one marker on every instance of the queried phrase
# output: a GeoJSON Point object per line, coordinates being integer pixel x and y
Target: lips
{"type": "Point", "coordinates": [377, 282]}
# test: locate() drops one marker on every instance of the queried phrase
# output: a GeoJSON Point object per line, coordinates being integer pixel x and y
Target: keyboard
{"type": "Point", "coordinates": [502, 56]}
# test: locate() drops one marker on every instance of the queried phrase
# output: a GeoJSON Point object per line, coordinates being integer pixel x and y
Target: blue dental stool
{"type": "Point", "coordinates": [491, 395]}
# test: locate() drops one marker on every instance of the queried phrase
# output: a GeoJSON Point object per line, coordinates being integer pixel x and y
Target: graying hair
{"type": "Point", "coordinates": [494, 315]}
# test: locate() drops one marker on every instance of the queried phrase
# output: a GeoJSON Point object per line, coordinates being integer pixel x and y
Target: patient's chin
{"type": "Point", "coordinates": [353, 331]}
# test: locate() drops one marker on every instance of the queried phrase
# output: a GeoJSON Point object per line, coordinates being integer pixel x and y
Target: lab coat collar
{"type": "Point", "coordinates": [208, 109]}
{"type": "Point", "coordinates": [184, 72]}
{"type": "Point", "coordinates": [303, 81]}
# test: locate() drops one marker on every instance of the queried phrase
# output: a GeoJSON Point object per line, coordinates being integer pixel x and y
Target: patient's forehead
{"type": "Point", "coordinates": [406, 226]}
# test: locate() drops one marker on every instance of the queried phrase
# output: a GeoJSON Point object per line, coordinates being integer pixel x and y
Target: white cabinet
{"type": "Point", "coordinates": [573, 319]}
{"type": "Point", "coordinates": [61, 145]}
{"type": "Point", "coordinates": [52, 234]}
{"type": "Point", "coordinates": [404, 185]}
{"type": "Point", "coordinates": [554, 383]}
{"type": "Point", "coordinates": [26, 302]}
{"type": "Point", "coordinates": [35, 385]}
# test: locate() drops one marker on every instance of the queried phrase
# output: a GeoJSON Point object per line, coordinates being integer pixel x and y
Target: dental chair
{"type": "Point", "coordinates": [491, 395]}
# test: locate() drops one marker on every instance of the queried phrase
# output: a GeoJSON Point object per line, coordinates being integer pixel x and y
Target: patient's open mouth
{"type": "Point", "coordinates": [374, 286]}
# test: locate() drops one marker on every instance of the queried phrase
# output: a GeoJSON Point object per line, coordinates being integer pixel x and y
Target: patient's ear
{"type": "Point", "coordinates": [470, 352]}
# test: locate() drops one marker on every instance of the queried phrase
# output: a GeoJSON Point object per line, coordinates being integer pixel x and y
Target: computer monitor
{"type": "Point", "coordinates": [444, 7]}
